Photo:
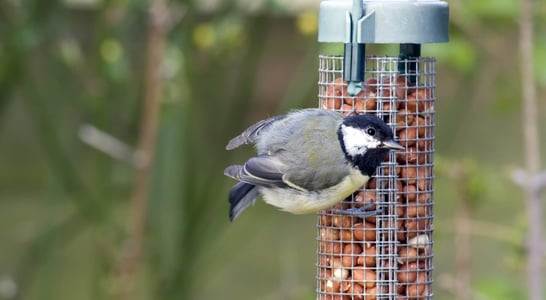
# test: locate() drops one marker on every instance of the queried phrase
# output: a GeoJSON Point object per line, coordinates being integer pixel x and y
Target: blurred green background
{"type": "Point", "coordinates": [65, 206]}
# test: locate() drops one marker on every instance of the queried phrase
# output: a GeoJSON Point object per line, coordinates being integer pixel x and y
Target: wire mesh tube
{"type": "Point", "coordinates": [388, 256]}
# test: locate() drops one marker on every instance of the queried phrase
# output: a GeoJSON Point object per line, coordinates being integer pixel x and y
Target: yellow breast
{"type": "Point", "coordinates": [302, 202]}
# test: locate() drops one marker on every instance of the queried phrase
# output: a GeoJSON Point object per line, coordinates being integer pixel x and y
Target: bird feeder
{"type": "Point", "coordinates": [387, 255]}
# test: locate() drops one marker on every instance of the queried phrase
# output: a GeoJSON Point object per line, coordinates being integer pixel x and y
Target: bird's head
{"type": "Point", "coordinates": [365, 140]}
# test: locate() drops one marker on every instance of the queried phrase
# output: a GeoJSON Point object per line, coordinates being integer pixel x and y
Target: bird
{"type": "Point", "coordinates": [308, 160]}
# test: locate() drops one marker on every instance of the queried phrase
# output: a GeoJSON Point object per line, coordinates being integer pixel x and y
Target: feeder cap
{"type": "Point", "coordinates": [385, 22]}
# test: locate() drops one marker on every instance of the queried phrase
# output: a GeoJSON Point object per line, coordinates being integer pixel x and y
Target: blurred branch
{"type": "Point", "coordinates": [132, 251]}
{"type": "Point", "coordinates": [520, 177]}
{"type": "Point", "coordinates": [110, 145]}
{"type": "Point", "coordinates": [532, 153]}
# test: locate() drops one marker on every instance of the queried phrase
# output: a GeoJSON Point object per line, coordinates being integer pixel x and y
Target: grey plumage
{"type": "Point", "coordinates": [250, 134]}
{"type": "Point", "coordinates": [302, 163]}
{"type": "Point", "coordinates": [276, 162]}
{"type": "Point", "coordinates": [241, 196]}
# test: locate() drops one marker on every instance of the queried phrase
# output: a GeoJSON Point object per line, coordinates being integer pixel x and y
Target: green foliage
{"type": "Point", "coordinates": [494, 12]}
{"type": "Point", "coordinates": [459, 54]}
{"type": "Point", "coordinates": [504, 104]}
{"type": "Point", "coordinates": [540, 60]}
{"type": "Point", "coordinates": [499, 289]}
{"type": "Point", "coordinates": [64, 204]}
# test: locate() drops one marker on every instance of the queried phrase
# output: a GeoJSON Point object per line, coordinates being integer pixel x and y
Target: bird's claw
{"type": "Point", "coordinates": [359, 212]}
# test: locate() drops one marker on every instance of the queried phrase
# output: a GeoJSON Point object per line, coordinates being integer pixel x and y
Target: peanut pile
{"type": "Point", "coordinates": [357, 257]}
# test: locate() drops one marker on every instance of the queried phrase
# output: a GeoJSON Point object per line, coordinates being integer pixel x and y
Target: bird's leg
{"type": "Point", "coordinates": [352, 113]}
{"type": "Point", "coordinates": [360, 212]}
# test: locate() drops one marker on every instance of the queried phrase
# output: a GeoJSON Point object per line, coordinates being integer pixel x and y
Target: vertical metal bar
{"type": "Point", "coordinates": [409, 52]}
{"type": "Point", "coordinates": [354, 52]}
{"type": "Point", "coordinates": [354, 62]}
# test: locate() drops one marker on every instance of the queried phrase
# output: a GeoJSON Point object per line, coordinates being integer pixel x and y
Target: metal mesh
{"type": "Point", "coordinates": [388, 256]}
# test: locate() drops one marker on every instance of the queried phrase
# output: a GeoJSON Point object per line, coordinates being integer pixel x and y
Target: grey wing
{"type": "Point", "coordinates": [250, 134]}
{"type": "Point", "coordinates": [269, 171]}
{"type": "Point", "coordinates": [261, 170]}
{"type": "Point", "coordinates": [323, 165]}
{"type": "Point", "coordinates": [315, 179]}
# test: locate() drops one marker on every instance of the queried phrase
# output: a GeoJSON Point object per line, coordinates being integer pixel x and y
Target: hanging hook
{"type": "Point", "coordinates": [354, 65]}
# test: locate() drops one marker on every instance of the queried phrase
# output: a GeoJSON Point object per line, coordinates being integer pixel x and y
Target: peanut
{"type": "Point", "coordinates": [418, 288]}
{"type": "Point", "coordinates": [410, 192]}
{"type": "Point", "coordinates": [369, 277]}
{"type": "Point", "coordinates": [407, 137]}
{"type": "Point", "coordinates": [330, 247]}
{"type": "Point", "coordinates": [329, 234]}
{"type": "Point", "coordinates": [407, 273]}
{"type": "Point", "coordinates": [371, 293]}
{"type": "Point", "coordinates": [351, 253]}
{"type": "Point", "coordinates": [332, 286]}
{"type": "Point", "coordinates": [364, 231]}
{"type": "Point", "coordinates": [414, 210]}
{"type": "Point", "coordinates": [407, 254]}
{"type": "Point", "coordinates": [331, 103]}
{"type": "Point", "coordinates": [342, 221]}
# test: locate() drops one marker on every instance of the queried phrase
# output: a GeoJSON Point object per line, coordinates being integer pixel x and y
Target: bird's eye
{"type": "Point", "coordinates": [370, 131]}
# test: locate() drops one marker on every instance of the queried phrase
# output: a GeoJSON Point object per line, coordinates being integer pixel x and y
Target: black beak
{"type": "Point", "coordinates": [392, 144]}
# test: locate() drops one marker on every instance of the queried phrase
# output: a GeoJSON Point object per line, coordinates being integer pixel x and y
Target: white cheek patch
{"type": "Point", "coordinates": [357, 141]}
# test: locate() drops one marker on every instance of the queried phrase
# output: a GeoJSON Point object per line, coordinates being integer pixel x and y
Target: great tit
{"type": "Point", "coordinates": [308, 159]}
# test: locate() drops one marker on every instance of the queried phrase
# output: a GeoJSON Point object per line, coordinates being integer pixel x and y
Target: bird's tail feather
{"type": "Point", "coordinates": [241, 196]}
